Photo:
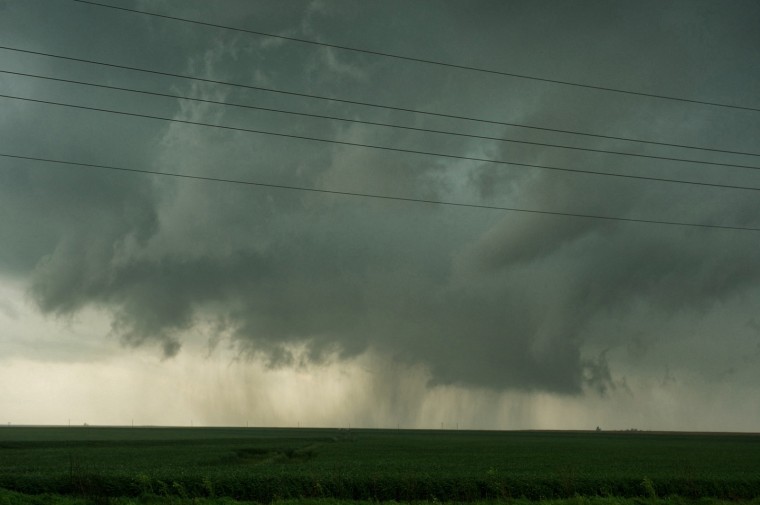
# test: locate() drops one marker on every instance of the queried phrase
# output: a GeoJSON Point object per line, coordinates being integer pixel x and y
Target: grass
{"type": "Point", "coordinates": [13, 498]}
{"type": "Point", "coordinates": [208, 465]}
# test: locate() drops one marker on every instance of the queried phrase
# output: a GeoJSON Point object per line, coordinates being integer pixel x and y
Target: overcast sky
{"type": "Point", "coordinates": [128, 296]}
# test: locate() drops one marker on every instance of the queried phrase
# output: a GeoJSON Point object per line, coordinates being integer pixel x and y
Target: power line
{"type": "Point", "coordinates": [376, 196]}
{"type": "Point", "coordinates": [378, 123]}
{"type": "Point", "coordinates": [375, 105]}
{"type": "Point", "coordinates": [386, 148]}
{"type": "Point", "coordinates": [427, 61]}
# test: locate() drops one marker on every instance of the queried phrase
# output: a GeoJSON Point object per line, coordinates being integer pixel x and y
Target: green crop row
{"type": "Point", "coordinates": [266, 465]}
{"type": "Point", "coordinates": [15, 498]}
{"type": "Point", "coordinates": [373, 487]}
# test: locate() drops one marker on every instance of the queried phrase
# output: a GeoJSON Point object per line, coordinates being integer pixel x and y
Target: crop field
{"type": "Point", "coordinates": [265, 465]}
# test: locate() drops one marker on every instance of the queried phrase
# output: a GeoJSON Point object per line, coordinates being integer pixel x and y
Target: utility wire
{"type": "Point", "coordinates": [375, 105]}
{"type": "Point", "coordinates": [377, 123]}
{"type": "Point", "coordinates": [376, 196]}
{"type": "Point", "coordinates": [427, 61]}
{"type": "Point", "coordinates": [385, 148]}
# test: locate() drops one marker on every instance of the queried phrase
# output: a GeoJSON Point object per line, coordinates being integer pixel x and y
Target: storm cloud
{"type": "Point", "coordinates": [483, 299]}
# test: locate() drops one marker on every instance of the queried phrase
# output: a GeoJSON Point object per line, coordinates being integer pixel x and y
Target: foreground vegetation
{"type": "Point", "coordinates": [175, 465]}
{"type": "Point", "coordinates": [13, 498]}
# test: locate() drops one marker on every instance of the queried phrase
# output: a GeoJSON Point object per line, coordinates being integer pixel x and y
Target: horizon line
{"type": "Point", "coordinates": [397, 428]}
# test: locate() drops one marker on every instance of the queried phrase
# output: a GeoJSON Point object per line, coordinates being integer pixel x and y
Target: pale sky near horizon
{"type": "Point", "coordinates": [129, 297]}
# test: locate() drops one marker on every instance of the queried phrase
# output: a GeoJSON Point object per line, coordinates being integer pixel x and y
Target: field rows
{"type": "Point", "coordinates": [266, 465]}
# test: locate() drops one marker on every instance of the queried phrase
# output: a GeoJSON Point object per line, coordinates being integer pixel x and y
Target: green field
{"type": "Point", "coordinates": [265, 465]}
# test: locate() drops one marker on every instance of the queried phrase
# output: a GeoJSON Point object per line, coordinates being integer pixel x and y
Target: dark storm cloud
{"type": "Point", "coordinates": [479, 298]}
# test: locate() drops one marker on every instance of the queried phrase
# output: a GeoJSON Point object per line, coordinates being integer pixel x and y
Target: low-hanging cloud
{"type": "Point", "coordinates": [497, 301]}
